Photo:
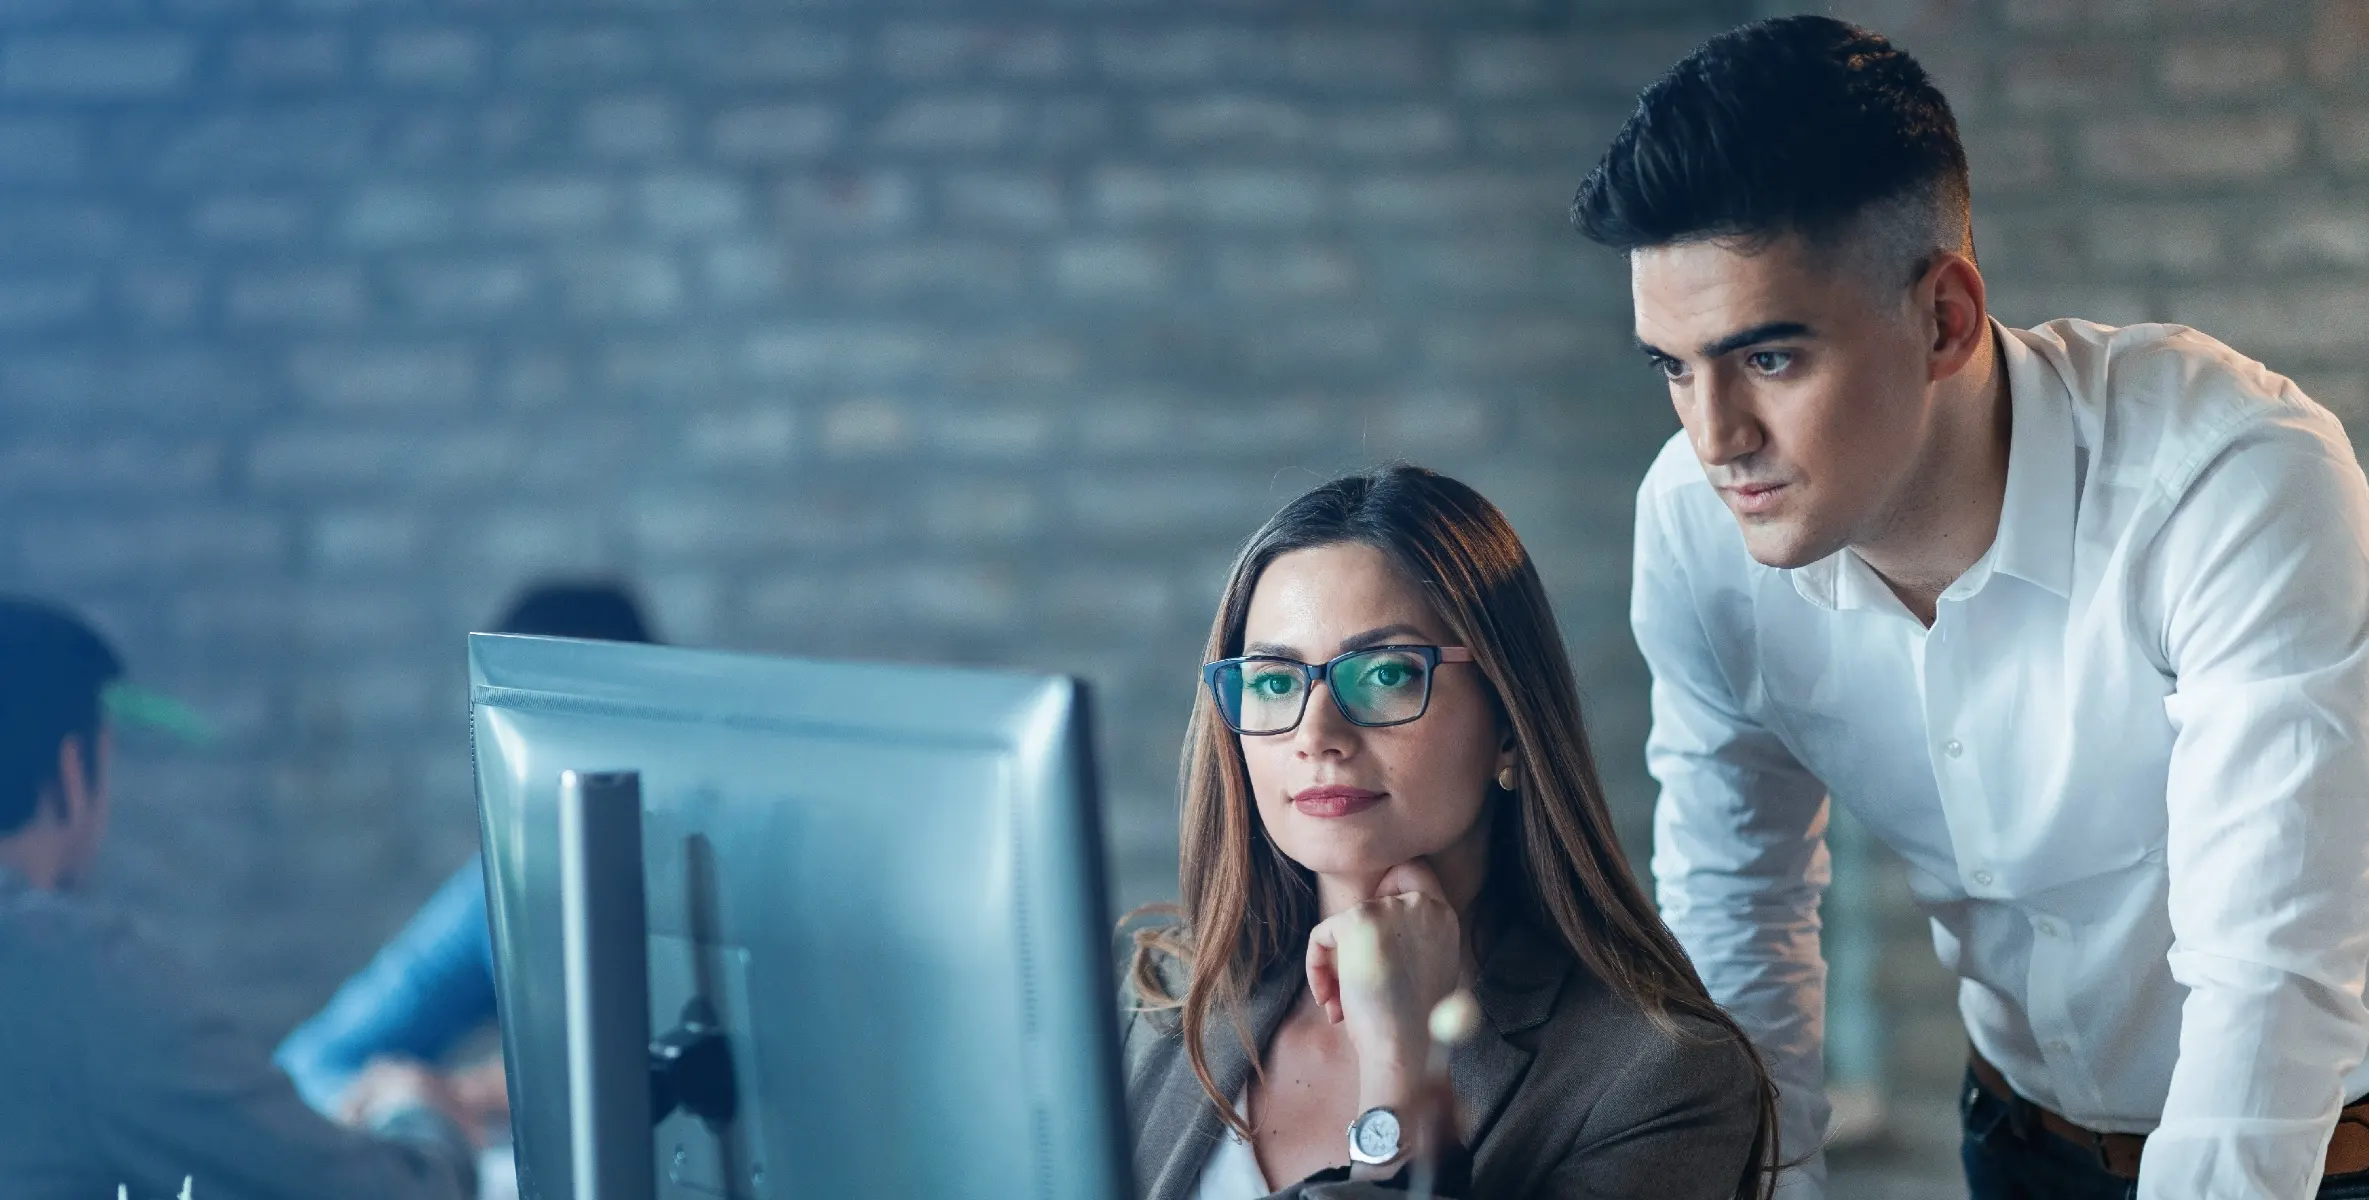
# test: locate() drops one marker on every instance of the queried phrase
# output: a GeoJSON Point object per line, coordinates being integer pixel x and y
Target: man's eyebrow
{"type": "Point", "coordinates": [1767, 331]}
{"type": "Point", "coordinates": [1654, 353]}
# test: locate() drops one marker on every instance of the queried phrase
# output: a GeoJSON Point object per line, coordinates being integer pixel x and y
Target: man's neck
{"type": "Point", "coordinates": [1950, 516]}
{"type": "Point", "coordinates": [34, 857]}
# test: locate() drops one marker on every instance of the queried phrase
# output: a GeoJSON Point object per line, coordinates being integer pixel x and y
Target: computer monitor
{"type": "Point", "coordinates": [880, 885]}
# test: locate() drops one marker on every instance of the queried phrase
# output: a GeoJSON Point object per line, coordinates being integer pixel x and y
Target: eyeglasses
{"type": "Point", "coordinates": [1375, 687]}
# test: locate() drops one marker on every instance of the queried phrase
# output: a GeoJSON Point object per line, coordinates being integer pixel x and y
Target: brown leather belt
{"type": "Point", "coordinates": [2118, 1153]}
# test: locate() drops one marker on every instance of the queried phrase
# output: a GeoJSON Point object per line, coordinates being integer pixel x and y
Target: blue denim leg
{"type": "Point", "coordinates": [2008, 1156]}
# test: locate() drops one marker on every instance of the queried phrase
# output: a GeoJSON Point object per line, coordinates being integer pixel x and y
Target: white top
{"type": "Point", "coordinates": [2128, 764]}
{"type": "Point", "coordinates": [1232, 1172]}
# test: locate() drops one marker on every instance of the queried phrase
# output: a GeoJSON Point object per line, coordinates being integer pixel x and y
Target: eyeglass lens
{"type": "Point", "coordinates": [1373, 687]}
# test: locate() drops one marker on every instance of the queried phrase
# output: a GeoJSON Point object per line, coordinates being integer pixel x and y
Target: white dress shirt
{"type": "Point", "coordinates": [2128, 764]}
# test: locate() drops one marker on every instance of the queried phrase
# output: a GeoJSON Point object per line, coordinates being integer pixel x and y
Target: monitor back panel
{"type": "Point", "coordinates": [884, 880]}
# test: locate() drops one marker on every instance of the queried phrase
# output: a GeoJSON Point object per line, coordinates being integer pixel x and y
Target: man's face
{"type": "Point", "coordinates": [1803, 383]}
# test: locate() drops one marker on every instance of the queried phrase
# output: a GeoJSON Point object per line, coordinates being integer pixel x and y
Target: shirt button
{"type": "Point", "coordinates": [2047, 928]}
{"type": "Point", "coordinates": [2058, 1047]}
{"type": "Point", "coordinates": [1982, 879]}
{"type": "Point", "coordinates": [1953, 747]}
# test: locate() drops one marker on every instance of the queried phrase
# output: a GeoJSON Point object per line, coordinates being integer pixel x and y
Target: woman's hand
{"type": "Point", "coordinates": [1404, 954]}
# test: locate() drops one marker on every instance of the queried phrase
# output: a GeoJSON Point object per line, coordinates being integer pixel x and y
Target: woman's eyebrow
{"type": "Point", "coordinates": [1371, 637]}
{"type": "Point", "coordinates": [1376, 637]}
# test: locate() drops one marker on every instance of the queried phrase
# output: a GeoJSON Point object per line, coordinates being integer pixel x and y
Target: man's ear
{"type": "Point", "coordinates": [1958, 305]}
{"type": "Point", "coordinates": [75, 788]}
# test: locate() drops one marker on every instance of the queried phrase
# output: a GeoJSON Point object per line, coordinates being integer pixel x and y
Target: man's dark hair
{"type": "Point", "coordinates": [53, 671]}
{"type": "Point", "coordinates": [1798, 125]}
{"type": "Point", "coordinates": [581, 609]}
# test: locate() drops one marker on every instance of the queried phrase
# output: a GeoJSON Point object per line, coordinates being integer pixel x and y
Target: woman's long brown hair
{"type": "Point", "coordinates": [1556, 864]}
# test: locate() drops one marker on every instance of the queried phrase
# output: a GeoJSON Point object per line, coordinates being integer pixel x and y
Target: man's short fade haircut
{"type": "Point", "coordinates": [1798, 125]}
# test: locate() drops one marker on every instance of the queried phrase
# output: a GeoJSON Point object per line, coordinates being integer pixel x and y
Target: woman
{"type": "Point", "coordinates": [1437, 810]}
{"type": "Point", "coordinates": [432, 985]}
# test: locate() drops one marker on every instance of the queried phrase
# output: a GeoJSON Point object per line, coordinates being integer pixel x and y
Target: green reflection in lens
{"type": "Point", "coordinates": [1382, 686]}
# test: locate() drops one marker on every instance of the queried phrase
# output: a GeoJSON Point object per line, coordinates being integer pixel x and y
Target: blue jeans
{"type": "Point", "coordinates": [2008, 1159]}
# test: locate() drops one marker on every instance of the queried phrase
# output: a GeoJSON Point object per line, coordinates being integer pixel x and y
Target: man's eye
{"type": "Point", "coordinates": [1768, 362]}
{"type": "Point", "coordinates": [1670, 368]}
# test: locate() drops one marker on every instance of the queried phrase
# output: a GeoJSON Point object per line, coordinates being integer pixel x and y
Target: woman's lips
{"type": "Point", "coordinates": [1334, 800]}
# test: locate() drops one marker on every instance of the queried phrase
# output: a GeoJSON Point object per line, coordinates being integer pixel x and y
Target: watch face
{"type": "Point", "coordinates": [1377, 1134]}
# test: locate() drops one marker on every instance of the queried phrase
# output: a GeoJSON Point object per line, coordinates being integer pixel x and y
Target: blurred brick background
{"type": "Point", "coordinates": [977, 332]}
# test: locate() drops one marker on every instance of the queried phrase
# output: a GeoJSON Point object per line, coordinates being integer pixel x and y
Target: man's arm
{"type": "Point", "coordinates": [2260, 585]}
{"type": "Point", "coordinates": [177, 1092]}
{"type": "Point", "coordinates": [1739, 858]}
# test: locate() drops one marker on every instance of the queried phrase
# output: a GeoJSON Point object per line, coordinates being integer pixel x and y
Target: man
{"type": "Point", "coordinates": [2075, 618]}
{"type": "Point", "coordinates": [114, 1070]}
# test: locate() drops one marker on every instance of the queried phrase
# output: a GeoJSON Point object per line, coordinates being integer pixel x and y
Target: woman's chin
{"type": "Point", "coordinates": [1342, 852]}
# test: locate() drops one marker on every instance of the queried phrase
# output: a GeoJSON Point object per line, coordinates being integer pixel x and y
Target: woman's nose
{"type": "Point", "coordinates": [1323, 730]}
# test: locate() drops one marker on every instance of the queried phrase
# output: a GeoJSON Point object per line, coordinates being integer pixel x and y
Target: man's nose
{"type": "Point", "coordinates": [1721, 425]}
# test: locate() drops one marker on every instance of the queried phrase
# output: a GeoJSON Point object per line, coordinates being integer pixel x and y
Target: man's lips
{"type": "Point", "coordinates": [1334, 800]}
{"type": "Point", "coordinates": [1753, 499]}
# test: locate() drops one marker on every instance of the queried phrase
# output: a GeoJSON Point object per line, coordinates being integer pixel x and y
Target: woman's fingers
{"type": "Point", "coordinates": [1413, 876]}
{"type": "Point", "coordinates": [1324, 977]}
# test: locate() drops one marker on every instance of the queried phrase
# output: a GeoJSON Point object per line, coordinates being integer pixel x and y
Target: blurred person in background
{"type": "Point", "coordinates": [2075, 618]}
{"type": "Point", "coordinates": [1389, 752]}
{"type": "Point", "coordinates": [431, 987]}
{"type": "Point", "coordinates": [116, 1068]}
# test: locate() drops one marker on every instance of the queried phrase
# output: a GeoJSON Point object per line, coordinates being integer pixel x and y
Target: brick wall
{"type": "Point", "coordinates": [972, 332]}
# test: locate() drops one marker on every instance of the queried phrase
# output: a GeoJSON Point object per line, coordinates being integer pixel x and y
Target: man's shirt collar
{"type": "Point", "coordinates": [2036, 515]}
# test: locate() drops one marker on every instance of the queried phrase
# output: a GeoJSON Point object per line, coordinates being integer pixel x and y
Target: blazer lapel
{"type": "Point", "coordinates": [1517, 991]}
{"type": "Point", "coordinates": [1183, 1128]}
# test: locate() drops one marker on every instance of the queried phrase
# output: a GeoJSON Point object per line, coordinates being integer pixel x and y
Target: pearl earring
{"type": "Point", "coordinates": [1506, 779]}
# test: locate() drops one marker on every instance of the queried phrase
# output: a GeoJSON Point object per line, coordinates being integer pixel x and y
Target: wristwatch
{"type": "Point", "coordinates": [1374, 1137]}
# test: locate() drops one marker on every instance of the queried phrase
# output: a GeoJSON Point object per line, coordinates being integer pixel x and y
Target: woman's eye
{"type": "Point", "coordinates": [1768, 362]}
{"type": "Point", "coordinates": [1390, 675]}
{"type": "Point", "coordinates": [1272, 685]}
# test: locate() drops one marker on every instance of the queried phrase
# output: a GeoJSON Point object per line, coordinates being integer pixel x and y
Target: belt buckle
{"type": "Point", "coordinates": [2097, 1143]}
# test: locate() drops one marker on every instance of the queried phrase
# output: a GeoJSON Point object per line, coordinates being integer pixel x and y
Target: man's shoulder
{"type": "Point", "coordinates": [1675, 469]}
{"type": "Point", "coordinates": [59, 929]}
{"type": "Point", "coordinates": [2158, 402]}
{"type": "Point", "coordinates": [89, 957]}
{"type": "Point", "coordinates": [1679, 503]}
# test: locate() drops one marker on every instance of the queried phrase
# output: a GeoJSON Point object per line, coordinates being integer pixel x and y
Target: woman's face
{"type": "Point", "coordinates": [1342, 799]}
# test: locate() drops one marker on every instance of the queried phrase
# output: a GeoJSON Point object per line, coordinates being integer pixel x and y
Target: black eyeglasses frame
{"type": "Point", "coordinates": [1315, 673]}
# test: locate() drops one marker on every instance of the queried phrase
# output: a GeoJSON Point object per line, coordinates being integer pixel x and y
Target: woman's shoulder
{"type": "Point", "coordinates": [1593, 1026]}
{"type": "Point", "coordinates": [1614, 1067]}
